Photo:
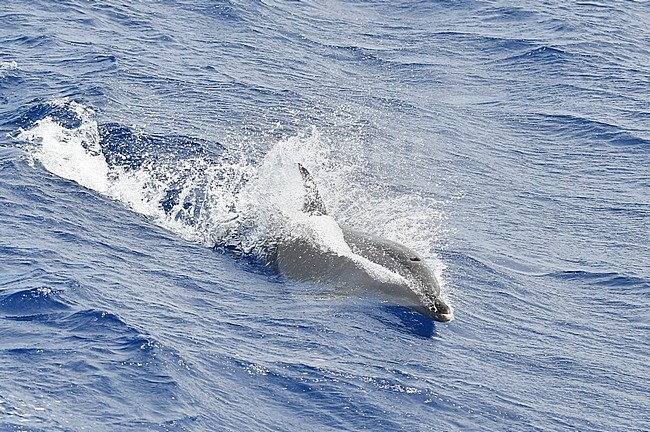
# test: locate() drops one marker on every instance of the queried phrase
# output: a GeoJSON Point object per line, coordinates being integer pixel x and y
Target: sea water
{"type": "Point", "coordinates": [148, 156]}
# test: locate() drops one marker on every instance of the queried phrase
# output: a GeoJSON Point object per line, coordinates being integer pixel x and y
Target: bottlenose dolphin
{"type": "Point", "coordinates": [358, 260]}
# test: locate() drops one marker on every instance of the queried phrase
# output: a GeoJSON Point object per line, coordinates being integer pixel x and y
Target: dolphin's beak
{"type": "Point", "coordinates": [443, 317]}
{"type": "Point", "coordinates": [443, 312]}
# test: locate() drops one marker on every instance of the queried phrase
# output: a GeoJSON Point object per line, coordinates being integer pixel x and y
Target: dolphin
{"type": "Point", "coordinates": [358, 260]}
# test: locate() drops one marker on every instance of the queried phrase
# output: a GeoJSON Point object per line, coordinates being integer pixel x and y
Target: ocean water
{"type": "Point", "coordinates": [148, 154]}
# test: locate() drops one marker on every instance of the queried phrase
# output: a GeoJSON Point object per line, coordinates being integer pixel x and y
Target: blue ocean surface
{"type": "Point", "coordinates": [148, 154]}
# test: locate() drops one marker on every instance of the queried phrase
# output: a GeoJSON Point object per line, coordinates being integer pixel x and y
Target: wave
{"type": "Point", "coordinates": [88, 355]}
{"type": "Point", "coordinates": [592, 130]}
{"type": "Point", "coordinates": [538, 54]}
{"type": "Point", "coordinates": [32, 301]}
{"type": "Point", "coordinates": [7, 78]}
{"type": "Point", "coordinates": [606, 279]}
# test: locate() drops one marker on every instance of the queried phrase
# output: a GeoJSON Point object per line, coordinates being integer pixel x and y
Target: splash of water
{"type": "Point", "coordinates": [6, 67]}
{"type": "Point", "coordinates": [234, 200]}
{"type": "Point", "coordinates": [229, 200]}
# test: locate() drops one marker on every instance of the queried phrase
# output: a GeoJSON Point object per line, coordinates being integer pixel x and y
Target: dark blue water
{"type": "Point", "coordinates": [509, 145]}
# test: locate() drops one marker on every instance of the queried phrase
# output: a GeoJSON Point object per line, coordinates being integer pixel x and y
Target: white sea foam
{"type": "Point", "coordinates": [6, 67]}
{"type": "Point", "coordinates": [73, 154]}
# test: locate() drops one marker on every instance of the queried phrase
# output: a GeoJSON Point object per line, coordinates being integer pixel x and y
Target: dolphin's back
{"type": "Point", "coordinates": [385, 252]}
{"type": "Point", "coordinates": [303, 259]}
{"type": "Point", "coordinates": [395, 257]}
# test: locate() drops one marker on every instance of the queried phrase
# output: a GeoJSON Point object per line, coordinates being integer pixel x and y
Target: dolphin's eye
{"type": "Point", "coordinates": [415, 259]}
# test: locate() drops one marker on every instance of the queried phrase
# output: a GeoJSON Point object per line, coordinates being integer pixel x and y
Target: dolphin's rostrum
{"type": "Point", "coordinates": [373, 263]}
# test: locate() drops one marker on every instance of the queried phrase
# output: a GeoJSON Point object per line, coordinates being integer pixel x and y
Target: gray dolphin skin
{"type": "Point", "coordinates": [300, 259]}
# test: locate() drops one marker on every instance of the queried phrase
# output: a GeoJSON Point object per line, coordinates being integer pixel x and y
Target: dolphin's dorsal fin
{"type": "Point", "coordinates": [313, 205]}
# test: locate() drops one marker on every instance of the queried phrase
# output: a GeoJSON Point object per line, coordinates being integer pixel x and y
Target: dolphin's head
{"type": "Point", "coordinates": [441, 311]}
{"type": "Point", "coordinates": [434, 306]}
{"type": "Point", "coordinates": [422, 291]}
